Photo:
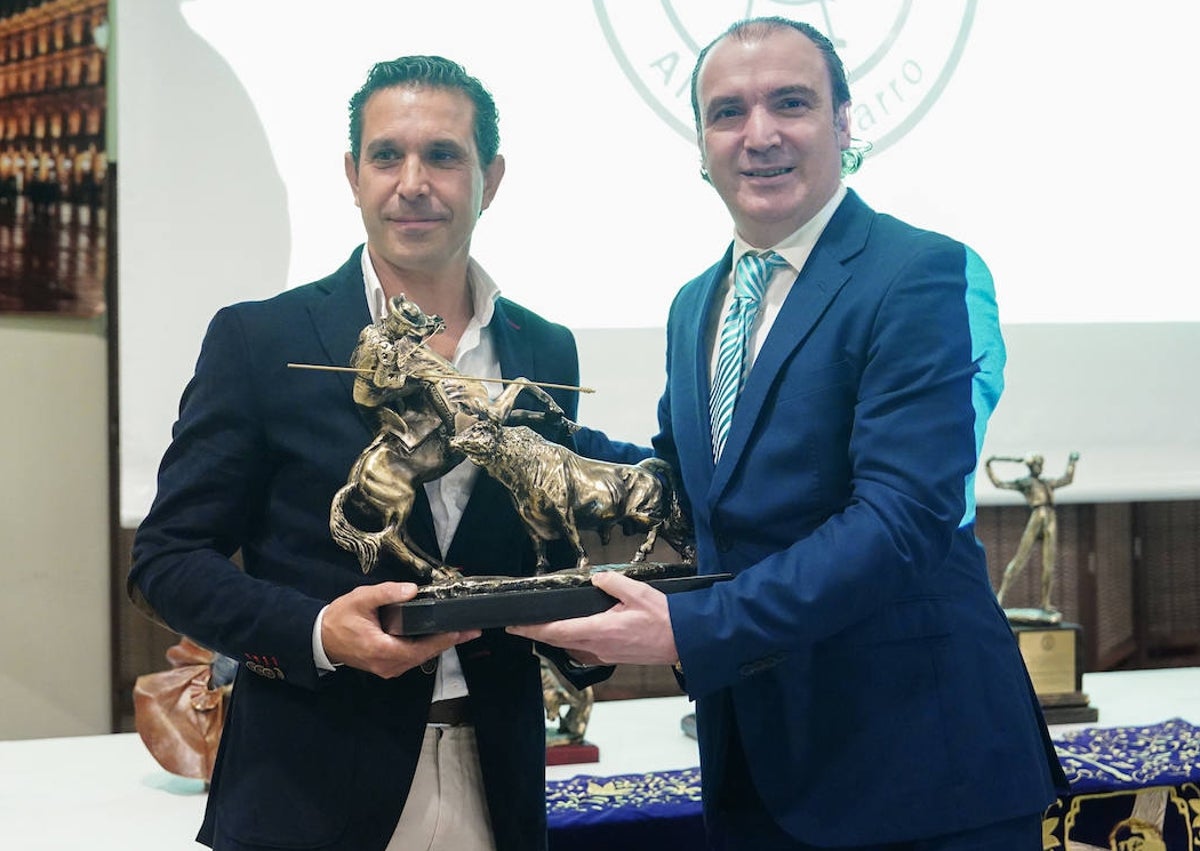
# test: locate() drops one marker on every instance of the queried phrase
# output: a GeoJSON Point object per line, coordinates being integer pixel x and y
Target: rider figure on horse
{"type": "Point", "coordinates": [400, 365]}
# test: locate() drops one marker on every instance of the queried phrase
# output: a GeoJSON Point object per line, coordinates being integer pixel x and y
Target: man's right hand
{"type": "Point", "coordinates": [351, 634]}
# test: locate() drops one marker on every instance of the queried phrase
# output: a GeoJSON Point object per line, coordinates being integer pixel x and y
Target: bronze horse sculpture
{"type": "Point", "coordinates": [419, 402]}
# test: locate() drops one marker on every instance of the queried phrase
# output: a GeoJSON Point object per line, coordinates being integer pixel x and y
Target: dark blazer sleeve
{"type": "Point", "coordinates": [211, 482]}
{"type": "Point", "coordinates": [256, 454]}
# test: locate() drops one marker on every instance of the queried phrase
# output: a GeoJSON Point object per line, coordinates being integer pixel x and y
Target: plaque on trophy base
{"type": "Point", "coordinates": [479, 602]}
{"type": "Point", "coordinates": [1053, 654]}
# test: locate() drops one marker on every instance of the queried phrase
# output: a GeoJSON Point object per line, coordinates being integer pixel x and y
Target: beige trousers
{"type": "Point", "coordinates": [446, 809]}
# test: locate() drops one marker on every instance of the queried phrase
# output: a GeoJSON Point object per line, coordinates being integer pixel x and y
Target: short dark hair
{"type": "Point", "coordinates": [437, 72]}
{"type": "Point", "coordinates": [755, 28]}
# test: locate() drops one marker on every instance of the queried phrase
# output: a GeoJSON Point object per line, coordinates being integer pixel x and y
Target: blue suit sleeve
{"type": "Point", "coordinates": [591, 443]}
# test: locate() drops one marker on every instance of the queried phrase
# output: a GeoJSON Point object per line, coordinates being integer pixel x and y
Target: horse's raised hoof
{"type": "Point", "coordinates": [444, 574]}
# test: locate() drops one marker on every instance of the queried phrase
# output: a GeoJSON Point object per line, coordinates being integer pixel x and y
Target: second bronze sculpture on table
{"type": "Point", "coordinates": [1042, 526]}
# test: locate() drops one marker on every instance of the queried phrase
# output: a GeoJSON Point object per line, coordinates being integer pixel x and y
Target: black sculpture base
{"type": "Point", "coordinates": [485, 602]}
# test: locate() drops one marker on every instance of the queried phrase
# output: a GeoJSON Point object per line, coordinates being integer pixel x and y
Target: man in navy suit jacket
{"type": "Point", "coordinates": [857, 684]}
{"type": "Point", "coordinates": [332, 741]}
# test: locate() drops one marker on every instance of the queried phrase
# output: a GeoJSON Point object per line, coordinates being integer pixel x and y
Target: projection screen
{"type": "Point", "coordinates": [1045, 135]}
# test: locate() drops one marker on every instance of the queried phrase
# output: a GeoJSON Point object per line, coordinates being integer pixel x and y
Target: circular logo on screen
{"type": "Point", "coordinates": [898, 54]}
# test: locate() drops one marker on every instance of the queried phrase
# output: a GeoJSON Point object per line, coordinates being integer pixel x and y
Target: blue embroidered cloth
{"type": "Point", "coordinates": [628, 797]}
{"type": "Point", "coordinates": [1095, 759]}
{"type": "Point", "coordinates": [1112, 759]}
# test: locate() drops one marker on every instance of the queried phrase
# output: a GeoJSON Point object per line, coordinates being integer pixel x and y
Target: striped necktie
{"type": "Point", "coordinates": [749, 284]}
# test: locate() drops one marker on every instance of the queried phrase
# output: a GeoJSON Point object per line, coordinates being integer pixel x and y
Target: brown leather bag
{"type": "Point", "coordinates": [178, 713]}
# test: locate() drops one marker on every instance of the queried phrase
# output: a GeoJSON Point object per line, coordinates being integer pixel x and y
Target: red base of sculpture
{"type": "Point", "coordinates": [570, 754]}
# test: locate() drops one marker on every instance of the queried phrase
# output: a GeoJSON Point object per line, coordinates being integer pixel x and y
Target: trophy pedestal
{"type": "Point", "coordinates": [485, 602]}
{"type": "Point", "coordinates": [562, 751]}
{"type": "Point", "coordinates": [1053, 654]}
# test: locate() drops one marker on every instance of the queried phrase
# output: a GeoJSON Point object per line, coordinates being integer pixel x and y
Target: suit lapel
{"type": "Point", "coordinates": [694, 427]}
{"type": "Point", "coordinates": [823, 276]}
{"type": "Point", "coordinates": [513, 348]}
{"type": "Point", "coordinates": [341, 315]}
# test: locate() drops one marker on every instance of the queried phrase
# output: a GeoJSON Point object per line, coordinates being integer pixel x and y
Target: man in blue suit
{"type": "Point", "coordinates": [340, 736]}
{"type": "Point", "coordinates": [857, 685]}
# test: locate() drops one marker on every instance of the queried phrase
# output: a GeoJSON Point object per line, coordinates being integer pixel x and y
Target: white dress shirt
{"type": "Point", "coordinates": [795, 249]}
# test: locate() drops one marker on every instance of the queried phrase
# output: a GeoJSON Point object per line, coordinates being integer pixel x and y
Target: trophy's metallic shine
{"type": "Point", "coordinates": [1051, 648]}
{"type": "Point", "coordinates": [430, 417]}
{"type": "Point", "coordinates": [1043, 525]}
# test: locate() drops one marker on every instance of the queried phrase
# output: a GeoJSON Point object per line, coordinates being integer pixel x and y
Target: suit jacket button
{"type": "Point", "coordinates": [724, 545]}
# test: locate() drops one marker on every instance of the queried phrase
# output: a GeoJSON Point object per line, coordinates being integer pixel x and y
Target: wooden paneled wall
{"type": "Point", "coordinates": [1129, 573]}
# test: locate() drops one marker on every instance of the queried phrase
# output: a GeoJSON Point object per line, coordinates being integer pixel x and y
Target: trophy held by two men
{"type": "Point", "coordinates": [429, 418]}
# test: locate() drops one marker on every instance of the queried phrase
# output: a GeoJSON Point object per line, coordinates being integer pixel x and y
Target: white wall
{"type": "Point", "coordinates": [55, 625]}
{"type": "Point", "coordinates": [54, 556]}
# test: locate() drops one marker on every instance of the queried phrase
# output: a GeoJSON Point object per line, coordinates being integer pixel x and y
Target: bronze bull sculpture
{"type": "Point", "coordinates": [557, 492]}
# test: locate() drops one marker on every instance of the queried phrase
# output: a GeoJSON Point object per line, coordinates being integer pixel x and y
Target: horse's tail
{"type": "Point", "coordinates": [346, 535]}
